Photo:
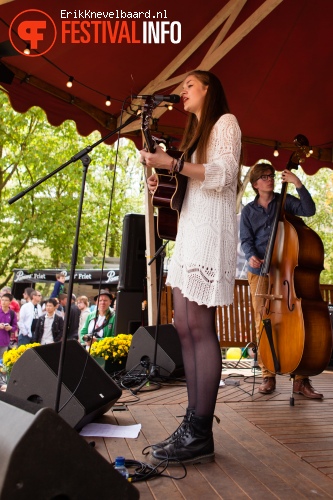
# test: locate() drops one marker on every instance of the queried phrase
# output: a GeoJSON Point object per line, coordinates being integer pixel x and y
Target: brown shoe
{"type": "Point", "coordinates": [304, 387]}
{"type": "Point", "coordinates": [267, 386]}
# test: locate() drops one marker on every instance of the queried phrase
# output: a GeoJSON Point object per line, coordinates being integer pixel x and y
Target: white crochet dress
{"type": "Point", "coordinates": [203, 265]}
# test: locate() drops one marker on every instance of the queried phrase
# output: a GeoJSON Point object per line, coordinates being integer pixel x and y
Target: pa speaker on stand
{"type": "Point", "coordinates": [133, 264]}
{"type": "Point", "coordinates": [132, 292]}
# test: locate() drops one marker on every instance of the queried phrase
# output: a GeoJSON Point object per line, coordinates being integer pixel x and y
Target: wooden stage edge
{"type": "Point", "coordinates": [264, 447]}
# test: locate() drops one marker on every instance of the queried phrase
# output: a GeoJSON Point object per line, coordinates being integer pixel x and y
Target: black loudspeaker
{"type": "Point", "coordinates": [87, 391]}
{"type": "Point", "coordinates": [43, 458]}
{"type": "Point", "coordinates": [129, 313]}
{"type": "Point", "coordinates": [133, 265]}
{"type": "Point", "coordinates": [169, 356]}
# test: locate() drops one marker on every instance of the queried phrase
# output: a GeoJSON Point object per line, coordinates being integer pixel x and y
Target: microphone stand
{"type": "Point", "coordinates": [154, 368]}
{"type": "Point", "coordinates": [85, 159]}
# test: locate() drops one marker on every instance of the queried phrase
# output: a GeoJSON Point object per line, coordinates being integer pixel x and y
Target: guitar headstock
{"type": "Point", "coordinates": [147, 113]}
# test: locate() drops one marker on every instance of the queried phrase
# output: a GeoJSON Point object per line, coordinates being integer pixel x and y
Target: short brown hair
{"type": "Point", "coordinates": [83, 299]}
{"type": "Point", "coordinates": [257, 171]}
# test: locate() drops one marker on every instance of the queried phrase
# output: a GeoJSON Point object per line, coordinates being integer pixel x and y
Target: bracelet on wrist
{"type": "Point", "coordinates": [172, 166]}
{"type": "Point", "coordinates": [180, 165]}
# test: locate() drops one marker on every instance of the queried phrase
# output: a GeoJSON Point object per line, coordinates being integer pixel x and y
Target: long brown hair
{"type": "Point", "coordinates": [197, 133]}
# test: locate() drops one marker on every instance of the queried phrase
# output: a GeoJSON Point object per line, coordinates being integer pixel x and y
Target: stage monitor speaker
{"type": "Point", "coordinates": [43, 458]}
{"type": "Point", "coordinates": [169, 356]}
{"type": "Point", "coordinates": [133, 264]}
{"type": "Point", "coordinates": [87, 391]}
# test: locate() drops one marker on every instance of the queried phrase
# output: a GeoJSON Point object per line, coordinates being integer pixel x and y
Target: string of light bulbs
{"type": "Point", "coordinates": [70, 78]}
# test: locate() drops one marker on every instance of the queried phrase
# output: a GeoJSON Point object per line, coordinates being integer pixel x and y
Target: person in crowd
{"type": "Point", "coordinates": [59, 286]}
{"type": "Point", "coordinates": [62, 302]}
{"type": "Point", "coordinates": [83, 304]}
{"type": "Point", "coordinates": [14, 305]}
{"type": "Point", "coordinates": [99, 324]}
{"type": "Point", "coordinates": [74, 315]}
{"type": "Point", "coordinates": [202, 269]}
{"type": "Point", "coordinates": [26, 294]}
{"type": "Point", "coordinates": [29, 314]}
{"type": "Point", "coordinates": [49, 327]}
{"type": "Point", "coordinates": [255, 229]}
{"type": "Point", "coordinates": [74, 320]}
{"type": "Point", "coordinates": [93, 306]}
{"type": "Point", "coordinates": [8, 322]}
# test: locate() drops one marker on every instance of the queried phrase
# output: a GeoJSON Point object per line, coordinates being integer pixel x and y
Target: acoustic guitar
{"type": "Point", "coordinates": [171, 188]}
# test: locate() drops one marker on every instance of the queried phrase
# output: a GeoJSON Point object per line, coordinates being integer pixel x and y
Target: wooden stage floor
{"type": "Point", "coordinates": [264, 447]}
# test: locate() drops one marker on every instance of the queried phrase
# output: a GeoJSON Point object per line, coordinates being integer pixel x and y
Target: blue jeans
{"type": "Point", "coordinates": [23, 340]}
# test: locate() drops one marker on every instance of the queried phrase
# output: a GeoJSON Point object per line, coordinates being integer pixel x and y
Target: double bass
{"type": "Point", "coordinates": [296, 336]}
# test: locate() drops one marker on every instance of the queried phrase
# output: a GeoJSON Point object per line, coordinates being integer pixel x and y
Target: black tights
{"type": "Point", "coordinates": [201, 352]}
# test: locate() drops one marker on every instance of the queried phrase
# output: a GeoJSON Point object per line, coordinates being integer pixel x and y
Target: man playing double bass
{"type": "Point", "coordinates": [255, 229]}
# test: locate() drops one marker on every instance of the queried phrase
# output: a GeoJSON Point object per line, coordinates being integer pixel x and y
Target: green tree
{"type": "Point", "coordinates": [38, 230]}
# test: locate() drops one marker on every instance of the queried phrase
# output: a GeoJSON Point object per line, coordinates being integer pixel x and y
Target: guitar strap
{"type": "Point", "coordinates": [103, 325]}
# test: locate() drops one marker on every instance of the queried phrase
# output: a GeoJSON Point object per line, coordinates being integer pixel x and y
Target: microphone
{"type": "Point", "coordinates": [159, 98]}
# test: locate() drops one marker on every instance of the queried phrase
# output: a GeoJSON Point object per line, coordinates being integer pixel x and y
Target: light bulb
{"type": "Point", "coordinates": [276, 149]}
{"type": "Point", "coordinates": [69, 84]}
{"type": "Point", "coordinates": [108, 101]}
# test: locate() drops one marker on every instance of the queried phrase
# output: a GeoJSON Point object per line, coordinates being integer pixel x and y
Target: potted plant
{"type": "Point", "coordinates": [112, 352]}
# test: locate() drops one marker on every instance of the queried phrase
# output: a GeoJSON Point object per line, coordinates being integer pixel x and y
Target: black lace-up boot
{"type": "Point", "coordinates": [194, 445]}
{"type": "Point", "coordinates": [178, 431]}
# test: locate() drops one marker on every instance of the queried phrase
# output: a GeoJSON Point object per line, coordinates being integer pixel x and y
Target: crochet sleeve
{"type": "Point", "coordinates": [224, 149]}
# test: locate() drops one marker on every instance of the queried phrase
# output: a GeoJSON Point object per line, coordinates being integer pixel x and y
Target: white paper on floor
{"type": "Point", "coordinates": [109, 430]}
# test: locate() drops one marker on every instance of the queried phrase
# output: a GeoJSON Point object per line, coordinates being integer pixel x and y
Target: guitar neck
{"type": "Point", "coordinates": [150, 144]}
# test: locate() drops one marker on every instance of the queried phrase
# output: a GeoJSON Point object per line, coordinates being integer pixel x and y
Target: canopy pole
{"type": "Point", "coordinates": [150, 252]}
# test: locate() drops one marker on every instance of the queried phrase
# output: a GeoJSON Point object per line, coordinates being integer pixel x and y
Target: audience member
{"type": "Point", "coordinates": [29, 314]}
{"type": "Point", "coordinates": [26, 295]}
{"type": "Point", "coordinates": [74, 320]}
{"type": "Point", "coordinates": [50, 325]}
{"type": "Point", "coordinates": [14, 305]}
{"type": "Point", "coordinates": [62, 303]}
{"type": "Point", "coordinates": [99, 325]}
{"type": "Point", "coordinates": [8, 322]}
{"type": "Point", "coordinates": [83, 304]}
{"type": "Point", "coordinates": [74, 315]}
{"type": "Point", "coordinates": [59, 286]}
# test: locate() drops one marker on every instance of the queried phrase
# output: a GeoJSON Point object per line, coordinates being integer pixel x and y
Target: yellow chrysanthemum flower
{"type": "Point", "coordinates": [112, 347]}
{"type": "Point", "coordinates": [10, 357]}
